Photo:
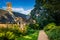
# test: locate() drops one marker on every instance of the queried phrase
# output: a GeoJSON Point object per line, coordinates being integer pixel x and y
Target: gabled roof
{"type": "Point", "coordinates": [9, 17]}
{"type": "Point", "coordinates": [2, 11]}
{"type": "Point", "coordinates": [16, 14]}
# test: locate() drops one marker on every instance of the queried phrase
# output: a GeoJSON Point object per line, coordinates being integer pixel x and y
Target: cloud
{"type": "Point", "coordinates": [21, 10]}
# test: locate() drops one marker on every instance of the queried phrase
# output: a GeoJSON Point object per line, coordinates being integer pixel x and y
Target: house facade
{"type": "Point", "coordinates": [10, 17]}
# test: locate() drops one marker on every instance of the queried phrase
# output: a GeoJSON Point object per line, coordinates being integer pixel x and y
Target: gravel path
{"type": "Point", "coordinates": [42, 35]}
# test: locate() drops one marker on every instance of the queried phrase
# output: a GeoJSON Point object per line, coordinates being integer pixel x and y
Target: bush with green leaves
{"type": "Point", "coordinates": [34, 26]}
{"type": "Point", "coordinates": [53, 31]}
{"type": "Point", "coordinates": [49, 26]}
{"type": "Point", "coordinates": [7, 36]}
{"type": "Point", "coordinates": [11, 33]}
{"type": "Point", "coordinates": [24, 30]}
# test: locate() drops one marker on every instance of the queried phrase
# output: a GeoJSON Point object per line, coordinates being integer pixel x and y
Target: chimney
{"type": "Point", "coordinates": [9, 6]}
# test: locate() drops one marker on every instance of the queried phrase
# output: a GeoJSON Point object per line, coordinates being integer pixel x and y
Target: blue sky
{"type": "Point", "coordinates": [26, 5]}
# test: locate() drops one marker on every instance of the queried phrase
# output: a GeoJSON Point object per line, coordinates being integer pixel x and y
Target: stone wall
{"type": "Point", "coordinates": [6, 25]}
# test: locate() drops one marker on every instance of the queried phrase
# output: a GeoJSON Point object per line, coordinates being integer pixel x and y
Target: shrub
{"type": "Point", "coordinates": [53, 31]}
{"type": "Point", "coordinates": [24, 29]}
{"type": "Point", "coordinates": [7, 35]}
{"type": "Point", "coordinates": [11, 33]}
{"type": "Point", "coordinates": [49, 26]}
{"type": "Point", "coordinates": [34, 26]}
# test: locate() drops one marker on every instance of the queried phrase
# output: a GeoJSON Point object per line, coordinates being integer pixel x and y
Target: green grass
{"type": "Point", "coordinates": [32, 35]}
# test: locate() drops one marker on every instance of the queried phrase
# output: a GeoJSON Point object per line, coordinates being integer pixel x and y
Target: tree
{"type": "Point", "coordinates": [53, 8]}
{"type": "Point", "coordinates": [39, 13]}
{"type": "Point", "coordinates": [48, 10]}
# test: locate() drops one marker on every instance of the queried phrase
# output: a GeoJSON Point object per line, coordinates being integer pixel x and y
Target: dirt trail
{"type": "Point", "coordinates": [42, 35]}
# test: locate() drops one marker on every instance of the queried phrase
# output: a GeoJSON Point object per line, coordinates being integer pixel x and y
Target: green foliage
{"type": "Point", "coordinates": [25, 30]}
{"type": "Point", "coordinates": [53, 31]}
{"type": "Point", "coordinates": [32, 35]}
{"type": "Point", "coordinates": [53, 9]}
{"type": "Point", "coordinates": [11, 33]}
{"type": "Point", "coordinates": [47, 10]}
{"type": "Point", "coordinates": [34, 26]}
{"type": "Point", "coordinates": [7, 36]}
{"type": "Point", "coordinates": [49, 26]}
{"type": "Point", "coordinates": [40, 9]}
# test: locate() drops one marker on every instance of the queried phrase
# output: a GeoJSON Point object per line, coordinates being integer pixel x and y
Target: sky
{"type": "Point", "coordinates": [22, 6]}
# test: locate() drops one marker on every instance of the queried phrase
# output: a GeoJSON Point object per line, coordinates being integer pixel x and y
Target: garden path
{"type": "Point", "coordinates": [42, 35]}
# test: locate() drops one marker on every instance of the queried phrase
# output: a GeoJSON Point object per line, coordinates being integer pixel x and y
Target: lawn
{"type": "Point", "coordinates": [32, 35]}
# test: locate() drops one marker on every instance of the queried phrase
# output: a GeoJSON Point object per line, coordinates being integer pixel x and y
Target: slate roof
{"type": "Point", "coordinates": [9, 17]}
{"type": "Point", "coordinates": [16, 14]}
